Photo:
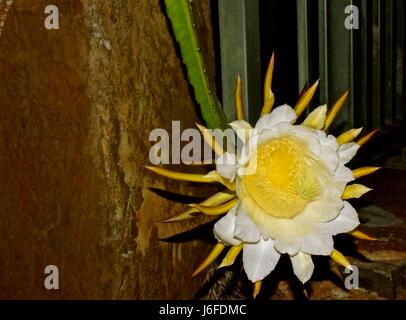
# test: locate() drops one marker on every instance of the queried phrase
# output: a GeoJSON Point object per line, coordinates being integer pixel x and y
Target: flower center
{"type": "Point", "coordinates": [284, 181]}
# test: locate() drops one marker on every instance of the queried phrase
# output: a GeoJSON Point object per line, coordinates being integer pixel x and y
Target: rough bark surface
{"type": "Point", "coordinates": [77, 107]}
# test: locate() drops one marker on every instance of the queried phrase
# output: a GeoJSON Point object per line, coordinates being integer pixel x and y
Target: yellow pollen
{"type": "Point", "coordinates": [285, 179]}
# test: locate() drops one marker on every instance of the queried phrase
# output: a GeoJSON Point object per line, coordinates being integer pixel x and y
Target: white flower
{"type": "Point", "coordinates": [289, 181]}
{"type": "Point", "coordinates": [286, 187]}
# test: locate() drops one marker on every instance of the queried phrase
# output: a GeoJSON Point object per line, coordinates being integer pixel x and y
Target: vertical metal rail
{"type": "Point", "coordinates": [308, 46]}
{"type": "Point", "coordinates": [333, 47]}
{"type": "Point", "coordinates": [303, 35]}
{"type": "Point", "coordinates": [240, 54]}
{"type": "Point", "coordinates": [323, 51]}
{"type": "Point", "coordinates": [369, 61]}
{"type": "Point", "coordinates": [337, 59]}
{"type": "Point", "coordinates": [389, 69]}
{"type": "Point", "coordinates": [400, 68]}
{"type": "Point", "coordinates": [376, 74]}
{"type": "Point", "coordinates": [362, 66]}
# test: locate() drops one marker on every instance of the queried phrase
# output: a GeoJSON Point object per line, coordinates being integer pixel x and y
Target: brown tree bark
{"type": "Point", "coordinates": [77, 106]}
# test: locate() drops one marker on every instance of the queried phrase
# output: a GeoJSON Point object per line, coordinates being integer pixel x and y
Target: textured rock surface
{"type": "Point", "coordinates": [77, 107]}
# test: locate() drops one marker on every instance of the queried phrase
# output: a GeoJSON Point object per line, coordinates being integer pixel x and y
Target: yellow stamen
{"type": "Point", "coordinates": [238, 100]}
{"type": "Point", "coordinates": [232, 254]}
{"type": "Point", "coordinates": [317, 118]}
{"type": "Point", "coordinates": [348, 136]}
{"type": "Point", "coordinates": [220, 179]}
{"type": "Point", "coordinates": [335, 109]}
{"type": "Point", "coordinates": [361, 235]}
{"type": "Point", "coordinates": [191, 177]}
{"type": "Point", "coordinates": [284, 181]}
{"type": "Point", "coordinates": [338, 257]}
{"type": "Point", "coordinates": [211, 257]}
{"type": "Point", "coordinates": [368, 137]}
{"type": "Point", "coordinates": [354, 191]}
{"type": "Point", "coordinates": [215, 210]}
{"type": "Point", "coordinates": [364, 171]}
{"type": "Point", "coordinates": [218, 198]}
{"type": "Point", "coordinates": [305, 99]}
{"type": "Point", "coordinates": [210, 140]}
{"type": "Point", "coordinates": [257, 289]}
{"type": "Point", "coordinates": [269, 97]}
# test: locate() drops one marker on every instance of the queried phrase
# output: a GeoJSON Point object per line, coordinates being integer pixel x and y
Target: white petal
{"type": "Point", "coordinates": [322, 136]}
{"type": "Point", "coordinates": [280, 114]}
{"type": "Point", "coordinates": [329, 147]}
{"type": "Point", "coordinates": [226, 165]}
{"type": "Point", "coordinates": [331, 141]}
{"type": "Point", "coordinates": [224, 228]}
{"type": "Point", "coordinates": [318, 244]}
{"type": "Point", "coordinates": [290, 246]}
{"type": "Point", "coordinates": [343, 174]}
{"type": "Point", "coordinates": [271, 227]}
{"type": "Point", "coordinates": [302, 266]}
{"type": "Point", "coordinates": [346, 221]}
{"type": "Point", "coordinates": [313, 144]}
{"type": "Point", "coordinates": [248, 149]}
{"type": "Point", "coordinates": [259, 259]}
{"type": "Point", "coordinates": [245, 229]}
{"type": "Point", "coordinates": [347, 151]}
{"type": "Point", "coordinates": [316, 118]}
{"type": "Point", "coordinates": [323, 210]}
{"type": "Point", "coordinates": [307, 135]}
{"type": "Point", "coordinates": [335, 186]}
{"type": "Point", "coordinates": [329, 158]}
{"type": "Point", "coordinates": [242, 129]}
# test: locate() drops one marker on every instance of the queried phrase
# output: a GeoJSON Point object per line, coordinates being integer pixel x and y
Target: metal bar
{"type": "Point", "coordinates": [323, 52]}
{"type": "Point", "coordinates": [388, 70]}
{"type": "Point", "coordinates": [303, 42]}
{"type": "Point", "coordinates": [399, 104]}
{"type": "Point", "coordinates": [308, 47]}
{"type": "Point", "coordinates": [376, 63]}
{"type": "Point", "coordinates": [353, 73]}
{"type": "Point", "coordinates": [361, 116]}
{"type": "Point", "coordinates": [336, 58]}
{"type": "Point", "coordinates": [240, 55]}
{"type": "Point", "coordinates": [404, 66]}
{"type": "Point", "coordinates": [340, 61]}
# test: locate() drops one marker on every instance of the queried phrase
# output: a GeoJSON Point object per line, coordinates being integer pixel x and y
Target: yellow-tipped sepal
{"type": "Point", "coordinates": [257, 289]}
{"type": "Point", "coordinates": [338, 257]}
{"type": "Point", "coordinates": [210, 258]}
{"type": "Point", "coordinates": [335, 109]}
{"type": "Point", "coordinates": [213, 175]}
{"type": "Point", "coordinates": [191, 177]}
{"type": "Point", "coordinates": [210, 140]}
{"type": "Point", "coordinates": [217, 199]}
{"type": "Point", "coordinates": [305, 99]}
{"type": "Point", "coordinates": [269, 97]}
{"type": "Point", "coordinates": [348, 136]}
{"type": "Point", "coordinates": [232, 254]}
{"type": "Point", "coordinates": [217, 210]}
{"type": "Point", "coordinates": [362, 236]}
{"type": "Point", "coordinates": [354, 191]}
{"type": "Point", "coordinates": [368, 137]}
{"type": "Point", "coordinates": [239, 105]}
{"type": "Point", "coordinates": [317, 118]}
{"type": "Point", "coordinates": [364, 171]}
